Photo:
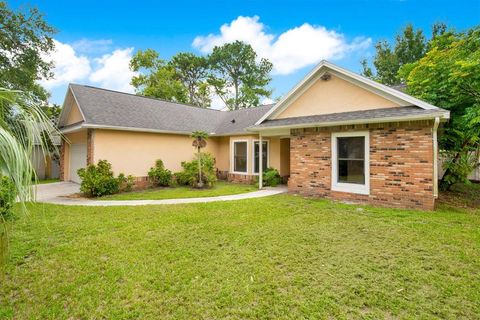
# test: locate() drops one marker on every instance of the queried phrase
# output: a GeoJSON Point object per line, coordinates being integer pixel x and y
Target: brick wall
{"type": "Point", "coordinates": [90, 146]}
{"type": "Point", "coordinates": [401, 164]}
{"type": "Point", "coordinates": [241, 178]}
{"type": "Point", "coordinates": [62, 160]}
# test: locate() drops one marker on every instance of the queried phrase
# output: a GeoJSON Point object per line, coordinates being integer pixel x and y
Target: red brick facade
{"type": "Point", "coordinates": [401, 164]}
{"type": "Point", "coordinates": [62, 160]}
{"type": "Point", "coordinates": [241, 178]}
{"type": "Point", "coordinates": [90, 146]}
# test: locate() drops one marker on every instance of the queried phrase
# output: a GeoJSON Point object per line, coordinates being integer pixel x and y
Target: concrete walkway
{"type": "Point", "coordinates": [56, 193]}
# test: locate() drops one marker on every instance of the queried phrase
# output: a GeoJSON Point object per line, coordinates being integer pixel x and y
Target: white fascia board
{"type": "Point", "coordinates": [373, 86]}
{"type": "Point", "coordinates": [350, 122]}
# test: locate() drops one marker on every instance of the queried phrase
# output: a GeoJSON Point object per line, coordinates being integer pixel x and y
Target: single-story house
{"type": "Point", "coordinates": [336, 135]}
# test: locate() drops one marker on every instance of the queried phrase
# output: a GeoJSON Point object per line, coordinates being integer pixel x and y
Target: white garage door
{"type": "Point", "coordinates": [78, 159]}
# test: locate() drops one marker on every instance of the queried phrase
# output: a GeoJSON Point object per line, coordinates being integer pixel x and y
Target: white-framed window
{"type": "Point", "coordinates": [240, 156]}
{"type": "Point", "coordinates": [351, 162]}
{"type": "Point", "coordinates": [256, 155]}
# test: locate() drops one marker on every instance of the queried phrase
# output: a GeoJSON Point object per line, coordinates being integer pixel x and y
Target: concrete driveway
{"type": "Point", "coordinates": [55, 193]}
{"type": "Point", "coordinates": [52, 192]}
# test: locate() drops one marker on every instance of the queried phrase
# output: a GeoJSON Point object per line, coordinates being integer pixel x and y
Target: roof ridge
{"type": "Point", "coordinates": [145, 97]}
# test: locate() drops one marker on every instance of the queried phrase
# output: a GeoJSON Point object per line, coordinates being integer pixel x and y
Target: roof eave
{"type": "Point", "coordinates": [442, 115]}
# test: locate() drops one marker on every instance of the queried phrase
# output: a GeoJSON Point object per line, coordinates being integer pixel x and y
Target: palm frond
{"type": "Point", "coordinates": [25, 127]}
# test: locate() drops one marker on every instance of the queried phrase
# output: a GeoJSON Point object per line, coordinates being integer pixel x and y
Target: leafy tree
{"type": "Point", "coordinates": [410, 45]}
{"type": "Point", "coordinates": [192, 71]}
{"type": "Point", "coordinates": [24, 38]}
{"type": "Point", "coordinates": [449, 76]}
{"type": "Point", "coordinates": [237, 77]}
{"type": "Point", "coordinates": [199, 142]}
{"type": "Point", "coordinates": [52, 112]}
{"type": "Point", "coordinates": [158, 79]}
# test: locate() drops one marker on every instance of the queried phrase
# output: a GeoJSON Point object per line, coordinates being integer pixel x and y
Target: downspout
{"type": "Point", "coordinates": [435, 157]}
{"type": "Point", "coordinates": [260, 161]}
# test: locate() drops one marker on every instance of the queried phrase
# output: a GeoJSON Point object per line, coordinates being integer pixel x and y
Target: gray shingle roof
{"type": "Point", "coordinates": [113, 108]}
{"type": "Point", "coordinates": [365, 115]}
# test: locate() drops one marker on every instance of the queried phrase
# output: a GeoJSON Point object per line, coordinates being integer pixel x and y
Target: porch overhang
{"type": "Point", "coordinates": [400, 114]}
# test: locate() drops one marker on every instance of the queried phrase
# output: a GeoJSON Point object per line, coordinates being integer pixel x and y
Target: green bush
{"type": "Point", "coordinates": [7, 196]}
{"type": "Point", "coordinates": [189, 175]}
{"type": "Point", "coordinates": [126, 183]}
{"type": "Point", "coordinates": [98, 180]}
{"type": "Point", "coordinates": [271, 177]}
{"type": "Point", "coordinates": [160, 176]}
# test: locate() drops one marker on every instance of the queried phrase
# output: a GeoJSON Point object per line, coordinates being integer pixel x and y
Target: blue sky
{"type": "Point", "coordinates": [95, 39]}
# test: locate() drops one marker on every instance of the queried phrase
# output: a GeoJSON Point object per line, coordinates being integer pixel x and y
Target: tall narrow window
{"type": "Point", "coordinates": [351, 159]}
{"type": "Point", "coordinates": [256, 153]}
{"type": "Point", "coordinates": [240, 156]}
{"type": "Point", "coordinates": [350, 162]}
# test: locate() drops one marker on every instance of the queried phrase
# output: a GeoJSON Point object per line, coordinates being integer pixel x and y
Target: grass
{"type": "Point", "coordinates": [461, 195]}
{"type": "Point", "coordinates": [45, 181]}
{"type": "Point", "coordinates": [267, 258]}
{"type": "Point", "coordinates": [220, 189]}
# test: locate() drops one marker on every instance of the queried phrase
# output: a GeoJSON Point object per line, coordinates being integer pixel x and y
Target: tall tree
{"type": "Point", "coordinates": [192, 71]}
{"type": "Point", "coordinates": [237, 77]}
{"type": "Point", "coordinates": [449, 76]}
{"type": "Point", "coordinates": [156, 78]}
{"type": "Point", "coordinates": [199, 142]}
{"type": "Point", "coordinates": [52, 112]}
{"type": "Point", "coordinates": [410, 46]}
{"type": "Point", "coordinates": [24, 38]}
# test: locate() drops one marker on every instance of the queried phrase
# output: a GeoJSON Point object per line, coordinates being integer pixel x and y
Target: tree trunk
{"type": "Point", "coordinates": [200, 182]}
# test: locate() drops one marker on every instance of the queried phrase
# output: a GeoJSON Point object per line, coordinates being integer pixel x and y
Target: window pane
{"type": "Point", "coordinates": [351, 147]}
{"type": "Point", "coordinates": [240, 157]}
{"type": "Point", "coordinates": [351, 171]}
{"type": "Point", "coordinates": [257, 155]}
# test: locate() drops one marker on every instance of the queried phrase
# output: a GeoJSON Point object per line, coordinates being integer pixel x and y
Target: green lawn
{"type": "Point", "coordinates": [220, 189]}
{"type": "Point", "coordinates": [267, 258]}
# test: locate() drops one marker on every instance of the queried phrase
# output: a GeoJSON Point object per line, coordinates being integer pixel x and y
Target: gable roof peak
{"type": "Point", "coordinates": [357, 79]}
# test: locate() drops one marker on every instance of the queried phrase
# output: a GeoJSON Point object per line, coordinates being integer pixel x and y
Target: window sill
{"type": "Point", "coordinates": [242, 173]}
{"type": "Point", "coordinates": [351, 188]}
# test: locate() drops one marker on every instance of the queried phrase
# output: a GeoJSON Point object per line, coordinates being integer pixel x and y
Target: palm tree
{"type": "Point", "coordinates": [199, 142]}
{"type": "Point", "coordinates": [23, 125]}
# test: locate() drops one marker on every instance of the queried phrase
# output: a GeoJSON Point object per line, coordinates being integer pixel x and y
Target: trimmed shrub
{"type": "Point", "coordinates": [98, 180]}
{"type": "Point", "coordinates": [271, 177]}
{"type": "Point", "coordinates": [7, 196]}
{"type": "Point", "coordinates": [126, 183]}
{"type": "Point", "coordinates": [160, 176]}
{"type": "Point", "coordinates": [189, 175]}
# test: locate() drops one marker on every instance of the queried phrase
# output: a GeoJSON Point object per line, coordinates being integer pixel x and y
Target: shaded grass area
{"type": "Point", "coordinates": [220, 189]}
{"type": "Point", "coordinates": [461, 196]}
{"type": "Point", "coordinates": [267, 258]}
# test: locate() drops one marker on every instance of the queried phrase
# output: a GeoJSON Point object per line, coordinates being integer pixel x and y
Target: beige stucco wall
{"type": "Point", "coordinates": [223, 151]}
{"type": "Point", "coordinates": [136, 152]}
{"type": "Point", "coordinates": [74, 116]}
{"type": "Point", "coordinates": [332, 96]}
{"type": "Point", "coordinates": [72, 138]}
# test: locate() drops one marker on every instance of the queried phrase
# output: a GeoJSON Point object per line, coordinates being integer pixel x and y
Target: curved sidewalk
{"type": "Point", "coordinates": [55, 193]}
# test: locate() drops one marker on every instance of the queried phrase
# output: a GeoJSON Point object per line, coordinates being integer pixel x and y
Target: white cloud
{"type": "Point", "coordinates": [113, 70]}
{"type": "Point", "coordinates": [69, 66]}
{"type": "Point", "coordinates": [92, 46]}
{"type": "Point", "coordinates": [292, 50]}
{"type": "Point", "coordinates": [267, 101]}
{"type": "Point", "coordinates": [110, 70]}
